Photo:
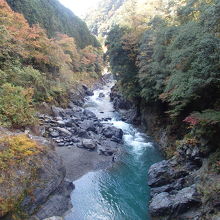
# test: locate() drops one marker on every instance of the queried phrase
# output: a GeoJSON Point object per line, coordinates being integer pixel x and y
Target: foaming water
{"type": "Point", "coordinates": [120, 192]}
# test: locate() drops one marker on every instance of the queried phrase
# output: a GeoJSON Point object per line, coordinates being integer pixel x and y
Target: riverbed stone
{"type": "Point", "coordinates": [107, 148]}
{"type": "Point", "coordinates": [89, 144]}
{"type": "Point", "coordinates": [88, 92]}
{"type": "Point", "coordinates": [110, 132]}
{"type": "Point", "coordinates": [54, 134]}
{"type": "Point", "coordinates": [89, 114]}
{"type": "Point", "coordinates": [88, 125]}
{"type": "Point", "coordinates": [101, 95]}
{"type": "Point", "coordinates": [61, 123]}
{"type": "Point", "coordinates": [64, 131]}
{"type": "Point", "coordinates": [83, 134]}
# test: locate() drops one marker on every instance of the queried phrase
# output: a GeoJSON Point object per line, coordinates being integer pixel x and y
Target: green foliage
{"type": "Point", "coordinates": [178, 58]}
{"type": "Point", "coordinates": [214, 162]}
{"type": "Point", "coordinates": [209, 116]}
{"type": "Point", "coordinates": [122, 66]}
{"type": "Point", "coordinates": [100, 19]}
{"type": "Point", "coordinates": [185, 60]}
{"type": "Point", "coordinates": [54, 17]}
{"type": "Point", "coordinates": [16, 106]}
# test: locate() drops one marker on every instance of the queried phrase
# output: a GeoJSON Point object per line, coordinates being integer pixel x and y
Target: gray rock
{"type": "Point", "coordinates": [83, 134]}
{"type": "Point", "coordinates": [185, 199]}
{"type": "Point", "coordinates": [115, 139]}
{"type": "Point", "coordinates": [89, 114]}
{"type": "Point", "coordinates": [50, 178]}
{"type": "Point", "coordinates": [58, 203]}
{"type": "Point", "coordinates": [177, 185]}
{"type": "Point", "coordinates": [161, 205]}
{"type": "Point", "coordinates": [64, 131]}
{"type": "Point", "coordinates": [68, 122]}
{"type": "Point", "coordinates": [88, 125]}
{"type": "Point", "coordinates": [89, 93]}
{"type": "Point", "coordinates": [107, 148]}
{"type": "Point", "coordinates": [89, 144]}
{"type": "Point", "coordinates": [61, 123]}
{"type": "Point", "coordinates": [164, 173]}
{"type": "Point", "coordinates": [174, 204]}
{"type": "Point", "coordinates": [110, 132]}
{"type": "Point", "coordinates": [101, 95]}
{"type": "Point", "coordinates": [54, 134]}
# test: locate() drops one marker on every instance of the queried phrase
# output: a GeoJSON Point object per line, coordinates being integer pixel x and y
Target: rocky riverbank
{"type": "Point", "coordinates": [181, 187]}
{"type": "Point", "coordinates": [84, 142]}
{"type": "Point", "coordinates": [74, 142]}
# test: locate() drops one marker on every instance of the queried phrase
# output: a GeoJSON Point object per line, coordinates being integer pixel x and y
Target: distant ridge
{"type": "Point", "coordinates": [54, 17]}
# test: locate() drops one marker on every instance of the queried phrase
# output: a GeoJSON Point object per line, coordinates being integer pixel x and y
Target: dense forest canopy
{"type": "Point", "coordinates": [54, 17]}
{"type": "Point", "coordinates": [101, 18]}
{"type": "Point", "coordinates": [175, 56]}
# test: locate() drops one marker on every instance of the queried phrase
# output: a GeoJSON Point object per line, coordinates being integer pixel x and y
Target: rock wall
{"type": "Point", "coordinates": [38, 183]}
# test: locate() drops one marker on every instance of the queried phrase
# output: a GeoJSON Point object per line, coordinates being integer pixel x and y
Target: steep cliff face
{"type": "Point", "coordinates": [54, 17]}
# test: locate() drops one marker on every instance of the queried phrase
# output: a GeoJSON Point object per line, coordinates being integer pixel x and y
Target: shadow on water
{"type": "Point", "coordinates": [121, 191]}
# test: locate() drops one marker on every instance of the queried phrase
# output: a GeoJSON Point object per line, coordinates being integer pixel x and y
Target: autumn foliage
{"type": "Point", "coordinates": [31, 60]}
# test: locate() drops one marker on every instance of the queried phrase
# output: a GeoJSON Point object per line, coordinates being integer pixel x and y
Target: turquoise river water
{"type": "Point", "coordinates": [121, 191]}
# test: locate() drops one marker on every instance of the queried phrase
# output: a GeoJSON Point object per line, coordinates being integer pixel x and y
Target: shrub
{"type": "Point", "coordinates": [16, 106]}
{"type": "Point", "coordinates": [16, 156]}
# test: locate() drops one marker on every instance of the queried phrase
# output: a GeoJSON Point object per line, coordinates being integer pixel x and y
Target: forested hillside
{"type": "Point", "coordinates": [119, 12]}
{"type": "Point", "coordinates": [36, 69]}
{"type": "Point", "coordinates": [54, 17]}
{"type": "Point", "coordinates": [101, 18]}
{"type": "Point", "coordinates": [173, 59]}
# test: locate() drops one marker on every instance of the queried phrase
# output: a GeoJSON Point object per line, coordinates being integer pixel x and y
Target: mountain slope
{"type": "Point", "coordinates": [124, 13]}
{"type": "Point", "coordinates": [54, 17]}
{"type": "Point", "coordinates": [100, 19]}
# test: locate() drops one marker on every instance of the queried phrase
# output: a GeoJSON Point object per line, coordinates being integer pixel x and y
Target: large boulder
{"type": "Point", "coordinates": [110, 132]}
{"type": "Point", "coordinates": [58, 203]}
{"type": "Point", "coordinates": [107, 148]}
{"type": "Point", "coordinates": [89, 114]}
{"type": "Point", "coordinates": [64, 131]}
{"type": "Point", "coordinates": [101, 95]}
{"type": "Point", "coordinates": [174, 204]}
{"type": "Point", "coordinates": [163, 173]}
{"type": "Point", "coordinates": [89, 144]}
{"type": "Point", "coordinates": [88, 125]}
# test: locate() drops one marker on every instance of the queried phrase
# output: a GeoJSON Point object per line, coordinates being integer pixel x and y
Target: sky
{"type": "Point", "coordinates": [79, 7]}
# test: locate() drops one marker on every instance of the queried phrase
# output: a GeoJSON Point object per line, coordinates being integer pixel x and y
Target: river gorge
{"type": "Point", "coordinates": [119, 192]}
